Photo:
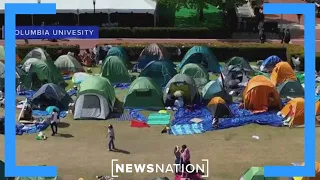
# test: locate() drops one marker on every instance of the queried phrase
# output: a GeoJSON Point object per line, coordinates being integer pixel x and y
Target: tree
{"type": "Point", "coordinates": [200, 5]}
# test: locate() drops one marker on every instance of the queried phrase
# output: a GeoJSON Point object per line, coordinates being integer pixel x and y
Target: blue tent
{"type": "Point", "coordinates": [269, 63]}
{"type": "Point", "coordinates": [201, 55]}
{"type": "Point", "coordinates": [51, 95]}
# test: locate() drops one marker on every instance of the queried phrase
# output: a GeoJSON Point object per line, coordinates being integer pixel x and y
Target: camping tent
{"type": "Point", "coordinates": [282, 72]}
{"type": "Point", "coordinates": [38, 53]}
{"type": "Point", "coordinates": [51, 95]}
{"type": "Point", "coordinates": [269, 63]}
{"type": "Point", "coordinates": [42, 72]}
{"type": "Point", "coordinates": [120, 52]}
{"type": "Point", "coordinates": [218, 108]}
{"type": "Point", "coordinates": [197, 72]}
{"type": "Point", "coordinates": [2, 56]}
{"type": "Point", "coordinates": [256, 173]}
{"type": "Point", "coordinates": [317, 108]}
{"type": "Point", "coordinates": [201, 55]}
{"type": "Point", "coordinates": [144, 93]}
{"type": "Point", "coordinates": [67, 64]}
{"type": "Point", "coordinates": [239, 61]}
{"type": "Point", "coordinates": [291, 89]}
{"type": "Point", "coordinates": [260, 95]}
{"type": "Point", "coordinates": [234, 77]}
{"type": "Point", "coordinates": [115, 70]}
{"type": "Point", "coordinates": [96, 99]}
{"type": "Point", "coordinates": [157, 51]}
{"type": "Point", "coordinates": [214, 89]}
{"type": "Point", "coordinates": [27, 64]}
{"type": "Point", "coordinates": [78, 77]}
{"type": "Point", "coordinates": [19, 75]}
{"type": "Point", "coordinates": [159, 71]}
{"type": "Point", "coordinates": [181, 82]}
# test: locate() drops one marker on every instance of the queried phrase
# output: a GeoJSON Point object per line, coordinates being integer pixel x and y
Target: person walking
{"type": "Point", "coordinates": [185, 157]}
{"type": "Point", "coordinates": [177, 161]}
{"type": "Point", "coordinates": [54, 122]}
{"type": "Point", "coordinates": [111, 137]}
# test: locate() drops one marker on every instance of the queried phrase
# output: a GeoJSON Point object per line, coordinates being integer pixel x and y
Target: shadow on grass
{"type": "Point", "coordinates": [120, 151]}
{"type": "Point", "coordinates": [63, 125]}
{"type": "Point", "coordinates": [211, 20]}
{"type": "Point", "coordinates": [65, 135]}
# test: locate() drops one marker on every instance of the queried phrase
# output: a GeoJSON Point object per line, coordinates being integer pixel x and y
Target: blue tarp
{"type": "Point", "coordinates": [38, 113]}
{"type": "Point", "coordinates": [182, 125]}
{"type": "Point", "coordinates": [122, 86]}
{"type": "Point", "coordinates": [67, 77]}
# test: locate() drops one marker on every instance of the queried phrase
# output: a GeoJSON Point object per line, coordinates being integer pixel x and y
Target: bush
{"type": "Point", "coordinates": [54, 50]}
{"type": "Point", "coordinates": [166, 32]}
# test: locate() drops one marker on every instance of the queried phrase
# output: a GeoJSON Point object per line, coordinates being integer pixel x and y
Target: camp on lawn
{"type": "Point", "coordinates": [153, 106]}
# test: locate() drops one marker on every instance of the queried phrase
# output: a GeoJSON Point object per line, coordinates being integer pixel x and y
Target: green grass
{"type": "Point", "coordinates": [189, 18]}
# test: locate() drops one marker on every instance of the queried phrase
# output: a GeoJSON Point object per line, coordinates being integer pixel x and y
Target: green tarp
{"type": "Point", "coordinates": [115, 70]}
{"type": "Point", "coordinates": [201, 55]}
{"type": "Point", "coordinates": [159, 71]}
{"type": "Point", "coordinates": [256, 173]}
{"type": "Point", "coordinates": [67, 63]}
{"type": "Point", "coordinates": [98, 85]}
{"type": "Point", "coordinates": [144, 93]}
{"type": "Point", "coordinates": [197, 72]}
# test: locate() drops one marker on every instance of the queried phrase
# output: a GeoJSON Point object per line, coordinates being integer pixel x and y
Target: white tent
{"type": "Point", "coordinates": [101, 6]}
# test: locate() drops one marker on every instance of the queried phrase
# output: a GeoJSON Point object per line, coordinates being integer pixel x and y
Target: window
{"type": "Point", "coordinates": [91, 102]}
{"type": "Point", "coordinates": [143, 93]}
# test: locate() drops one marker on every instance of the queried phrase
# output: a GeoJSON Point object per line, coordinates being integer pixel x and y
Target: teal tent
{"type": "Point", "coordinates": [214, 89]}
{"type": "Point", "coordinates": [159, 71]}
{"type": "Point", "coordinates": [290, 88]}
{"type": "Point", "coordinates": [201, 55]}
{"type": "Point", "coordinates": [120, 52]}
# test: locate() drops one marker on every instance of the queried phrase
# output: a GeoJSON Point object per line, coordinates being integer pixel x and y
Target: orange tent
{"type": "Point", "coordinates": [317, 108]}
{"type": "Point", "coordinates": [297, 105]}
{"type": "Point", "coordinates": [260, 95]}
{"type": "Point", "coordinates": [282, 72]}
{"type": "Point", "coordinates": [216, 100]}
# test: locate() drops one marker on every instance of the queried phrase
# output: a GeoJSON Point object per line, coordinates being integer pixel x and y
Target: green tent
{"type": "Point", "coordinates": [239, 61]}
{"type": "Point", "coordinates": [95, 100]}
{"type": "Point", "coordinates": [115, 70]}
{"type": "Point", "coordinates": [120, 52]}
{"type": "Point", "coordinates": [42, 72]}
{"type": "Point", "coordinates": [256, 173]}
{"type": "Point", "coordinates": [38, 53]}
{"type": "Point", "coordinates": [98, 85]}
{"type": "Point", "coordinates": [144, 93]}
{"type": "Point", "coordinates": [214, 89]}
{"type": "Point", "coordinates": [68, 64]}
{"type": "Point", "coordinates": [197, 72]}
{"type": "Point", "coordinates": [159, 71]}
{"type": "Point", "coordinates": [19, 75]}
{"type": "Point", "coordinates": [290, 88]}
{"type": "Point", "coordinates": [201, 55]}
{"type": "Point", "coordinates": [181, 82]}
{"type": "Point", "coordinates": [2, 53]}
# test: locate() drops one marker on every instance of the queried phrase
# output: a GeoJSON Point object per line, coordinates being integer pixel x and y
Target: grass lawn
{"type": "Point", "coordinates": [80, 150]}
{"type": "Point", "coordinates": [189, 18]}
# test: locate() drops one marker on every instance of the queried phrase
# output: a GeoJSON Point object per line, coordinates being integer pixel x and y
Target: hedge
{"type": "Point", "coordinates": [54, 50]}
{"type": "Point", "coordinates": [166, 32]}
{"type": "Point", "coordinates": [222, 50]}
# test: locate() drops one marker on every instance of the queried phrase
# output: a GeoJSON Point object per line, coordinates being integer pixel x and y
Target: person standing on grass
{"type": "Point", "coordinates": [177, 161]}
{"type": "Point", "coordinates": [185, 157]}
{"type": "Point", "coordinates": [54, 122]}
{"type": "Point", "coordinates": [111, 137]}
